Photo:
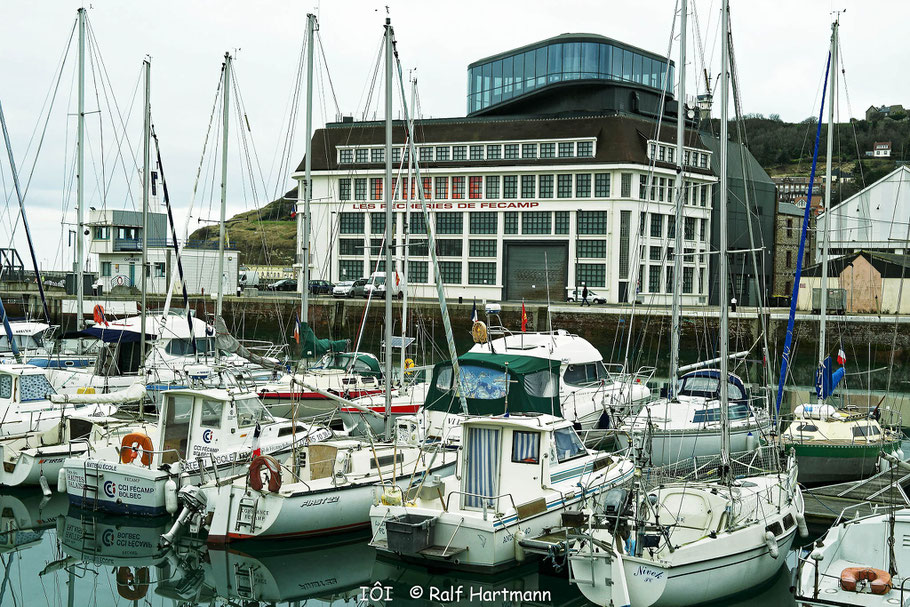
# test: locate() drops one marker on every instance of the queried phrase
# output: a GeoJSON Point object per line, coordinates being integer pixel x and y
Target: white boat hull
{"type": "Point", "coordinates": [669, 447]}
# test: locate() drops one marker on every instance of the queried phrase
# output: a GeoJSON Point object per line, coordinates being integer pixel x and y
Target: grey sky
{"type": "Point", "coordinates": [780, 50]}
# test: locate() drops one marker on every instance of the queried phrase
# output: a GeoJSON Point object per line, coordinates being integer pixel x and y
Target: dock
{"type": "Point", "coordinates": [883, 490]}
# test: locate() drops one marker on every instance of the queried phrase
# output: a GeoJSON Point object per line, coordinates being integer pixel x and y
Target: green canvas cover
{"type": "Point", "coordinates": [532, 385]}
{"type": "Point", "coordinates": [311, 347]}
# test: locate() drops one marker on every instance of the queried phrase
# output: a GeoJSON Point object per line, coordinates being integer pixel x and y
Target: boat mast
{"type": "Point", "coordinates": [303, 223]}
{"type": "Point", "coordinates": [823, 296]}
{"type": "Point", "coordinates": [146, 163]}
{"type": "Point", "coordinates": [224, 169]}
{"type": "Point", "coordinates": [723, 329]}
{"type": "Point", "coordinates": [80, 181]}
{"type": "Point", "coordinates": [389, 261]}
{"type": "Point", "coordinates": [406, 237]}
{"type": "Point", "coordinates": [679, 189]}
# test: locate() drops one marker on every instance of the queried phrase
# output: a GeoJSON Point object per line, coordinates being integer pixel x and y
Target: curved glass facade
{"type": "Point", "coordinates": [505, 78]}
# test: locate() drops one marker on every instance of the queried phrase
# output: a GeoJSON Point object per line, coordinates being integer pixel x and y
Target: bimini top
{"type": "Point", "coordinates": [560, 345]}
{"type": "Point", "coordinates": [528, 384]}
{"type": "Point", "coordinates": [129, 329]}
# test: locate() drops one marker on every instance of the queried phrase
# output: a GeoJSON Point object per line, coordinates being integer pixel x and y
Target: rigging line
{"type": "Point", "coordinates": [372, 88]}
{"type": "Point", "coordinates": [291, 109]}
{"type": "Point", "coordinates": [92, 65]}
{"type": "Point", "coordinates": [328, 74]}
{"type": "Point", "coordinates": [850, 113]}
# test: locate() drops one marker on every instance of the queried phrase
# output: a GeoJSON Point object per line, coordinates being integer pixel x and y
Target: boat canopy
{"type": "Point", "coordinates": [314, 347]}
{"type": "Point", "coordinates": [128, 329]}
{"type": "Point", "coordinates": [529, 384]}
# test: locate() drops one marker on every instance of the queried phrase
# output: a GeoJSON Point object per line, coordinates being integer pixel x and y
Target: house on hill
{"type": "Point", "coordinates": [872, 280]}
{"type": "Point", "coordinates": [885, 111]}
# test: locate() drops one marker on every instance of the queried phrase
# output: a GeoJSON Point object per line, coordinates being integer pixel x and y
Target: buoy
{"type": "Point", "coordinates": [519, 549]}
{"type": "Point", "coordinates": [391, 496]}
{"type": "Point", "coordinates": [42, 482]}
{"type": "Point", "coordinates": [801, 524]}
{"type": "Point", "coordinates": [61, 481]}
{"type": "Point", "coordinates": [170, 496]}
{"type": "Point", "coordinates": [130, 446]}
{"type": "Point", "coordinates": [771, 542]}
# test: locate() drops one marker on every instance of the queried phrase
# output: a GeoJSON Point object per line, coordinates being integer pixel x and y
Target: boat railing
{"type": "Point", "coordinates": [484, 500]}
{"type": "Point", "coordinates": [153, 453]}
{"type": "Point", "coordinates": [762, 460]}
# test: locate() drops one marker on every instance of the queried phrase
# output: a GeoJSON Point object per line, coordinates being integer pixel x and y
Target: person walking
{"type": "Point", "coordinates": [584, 295]}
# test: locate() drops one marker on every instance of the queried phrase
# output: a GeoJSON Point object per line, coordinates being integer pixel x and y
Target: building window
{"type": "Point", "coordinates": [105, 268]}
{"type": "Point", "coordinates": [703, 163]}
{"type": "Point", "coordinates": [661, 153]}
{"type": "Point", "coordinates": [449, 223]}
{"type": "Point", "coordinates": [591, 274]}
{"type": "Point", "coordinates": [483, 222]}
{"type": "Point", "coordinates": [592, 222]}
{"type": "Point", "coordinates": [641, 223]}
{"type": "Point", "coordinates": [657, 225]}
{"type": "Point", "coordinates": [661, 184]}
{"type": "Point", "coordinates": [789, 229]}
{"type": "Point", "coordinates": [602, 185]}
{"type": "Point", "coordinates": [626, 185]}
{"type": "Point", "coordinates": [654, 279]}
{"type": "Point", "coordinates": [689, 228]}
{"type": "Point", "coordinates": [511, 222]}
{"type": "Point", "coordinates": [528, 186]}
{"type": "Point", "coordinates": [511, 151]}
{"type": "Point", "coordinates": [376, 188]}
{"type": "Point", "coordinates": [494, 152]}
{"type": "Point", "coordinates": [420, 248]}
{"type": "Point", "coordinates": [417, 271]}
{"type": "Point", "coordinates": [427, 189]}
{"type": "Point", "coordinates": [548, 150]}
{"type": "Point", "coordinates": [492, 183]}
{"type": "Point", "coordinates": [159, 269]}
{"type": "Point", "coordinates": [669, 281]}
{"type": "Point", "coordinates": [703, 230]}
{"type": "Point", "coordinates": [482, 272]}
{"type": "Point", "coordinates": [562, 222]}
{"type": "Point", "coordinates": [362, 155]}
{"type": "Point", "coordinates": [426, 154]}
{"type": "Point", "coordinates": [564, 186]}
{"type": "Point", "coordinates": [101, 233]}
{"type": "Point", "coordinates": [510, 186]}
{"type": "Point", "coordinates": [535, 222]}
{"type": "Point", "coordinates": [546, 186]}
{"type": "Point", "coordinates": [377, 222]}
{"type": "Point", "coordinates": [625, 219]}
{"type": "Point", "coordinates": [350, 269]}
{"type": "Point", "coordinates": [351, 223]}
{"type": "Point", "coordinates": [482, 248]}
{"type": "Point", "coordinates": [655, 254]}
{"type": "Point", "coordinates": [643, 187]}
{"type": "Point", "coordinates": [344, 189]}
{"type": "Point", "coordinates": [475, 187]}
{"type": "Point", "coordinates": [377, 155]}
{"type": "Point", "coordinates": [450, 272]}
{"type": "Point", "coordinates": [442, 188]}
{"type": "Point", "coordinates": [476, 152]}
{"type": "Point", "coordinates": [529, 150]}
{"type": "Point", "coordinates": [583, 185]}
{"type": "Point", "coordinates": [449, 247]}
{"type": "Point", "coordinates": [346, 156]}
{"type": "Point", "coordinates": [671, 226]}
{"type": "Point", "coordinates": [396, 155]}
{"type": "Point", "coordinates": [789, 259]}
{"type": "Point", "coordinates": [459, 152]}
{"type": "Point", "coordinates": [592, 249]}
{"type": "Point", "coordinates": [566, 149]}
{"type": "Point", "coordinates": [350, 246]}
{"type": "Point", "coordinates": [418, 223]}
{"type": "Point", "coordinates": [360, 189]}
{"type": "Point", "coordinates": [442, 153]}
{"type": "Point", "coordinates": [457, 188]}
{"type": "Point", "coordinates": [703, 194]}
{"type": "Point", "coordinates": [585, 149]}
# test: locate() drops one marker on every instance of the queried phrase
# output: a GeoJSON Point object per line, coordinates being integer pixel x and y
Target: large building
{"type": "Point", "coordinates": [787, 233]}
{"type": "Point", "coordinates": [558, 176]}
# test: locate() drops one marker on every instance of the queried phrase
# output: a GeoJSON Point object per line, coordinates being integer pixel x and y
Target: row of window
{"type": "Point", "coordinates": [667, 153]}
{"type": "Point", "coordinates": [453, 247]}
{"type": "Point", "coordinates": [473, 151]}
{"type": "Point", "coordinates": [123, 233]}
{"type": "Point", "coordinates": [694, 194]}
{"type": "Point", "coordinates": [484, 222]}
{"type": "Point", "coordinates": [106, 269]}
{"type": "Point", "coordinates": [655, 228]}
{"type": "Point", "coordinates": [652, 283]}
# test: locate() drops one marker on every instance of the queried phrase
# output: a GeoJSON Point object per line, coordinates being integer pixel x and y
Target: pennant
{"type": "Point", "coordinates": [841, 358]}
{"type": "Point", "coordinates": [297, 328]}
{"type": "Point", "coordinates": [474, 311]}
{"type": "Point", "coordinates": [524, 317]}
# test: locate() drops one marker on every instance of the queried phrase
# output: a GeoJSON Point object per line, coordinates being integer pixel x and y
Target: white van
{"type": "Point", "coordinates": [377, 281]}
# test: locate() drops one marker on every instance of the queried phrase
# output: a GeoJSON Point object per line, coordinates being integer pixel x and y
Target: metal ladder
{"type": "Point", "coordinates": [90, 476]}
{"type": "Point", "coordinates": [250, 504]}
{"type": "Point", "coordinates": [89, 535]}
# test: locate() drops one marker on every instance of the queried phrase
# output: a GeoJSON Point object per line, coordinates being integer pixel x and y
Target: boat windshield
{"type": "Point", "coordinates": [184, 347]}
{"type": "Point", "coordinates": [707, 387]}
{"type": "Point", "coordinates": [250, 411]}
{"type": "Point", "coordinates": [568, 445]}
{"type": "Point", "coordinates": [34, 387]}
{"type": "Point", "coordinates": [585, 374]}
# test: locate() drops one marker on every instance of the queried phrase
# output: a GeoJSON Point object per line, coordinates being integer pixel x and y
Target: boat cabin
{"type": "Point", "coordinates": [23, 384]}
{"type": "Point", "coordinates": [357, 363]}
{"type": "Point", "coordinates": [703, 386]}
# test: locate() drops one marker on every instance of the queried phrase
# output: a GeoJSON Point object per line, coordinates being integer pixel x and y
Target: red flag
{"type": "Point", "coordinates": [524, 317]}
{"type": "Point", "coordinates": [841, 357]}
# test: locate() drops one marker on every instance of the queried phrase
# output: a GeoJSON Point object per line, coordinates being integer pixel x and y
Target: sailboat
{"type": "Point", "coordinates": [713, 533]}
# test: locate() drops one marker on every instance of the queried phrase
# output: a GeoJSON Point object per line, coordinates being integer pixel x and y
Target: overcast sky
{"type": "Point", "coordinates": [780, 51]}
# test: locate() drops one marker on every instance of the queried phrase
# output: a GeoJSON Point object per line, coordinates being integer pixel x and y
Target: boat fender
{"type": "Point", "coordinates": [274, 468]}
{"type": "Point", "coordinates": [771, 542]}
{"type": "Point", "coordinates": [391, 496]}
{"type": "Point", "coordinates": [883, 465]}
{"type": "Point", "coordinates": [750, 442]}
{"type": "Point", "coordinates": [801, 524]}
{"type": "Point", "coordinates": [132, 587]}
{"type": "Point", "coordinates": [45, 487]}
{"type": "Point", "coordinates": [865, 579]}
{"type": "Point", "coordinates": [170, 496]}
{"type": "Point", "coordinates": [61, 481]}
{"type": "Point", "coordinates": [519, 549]}
{"type": "Point", "coordinates": [129, 448]}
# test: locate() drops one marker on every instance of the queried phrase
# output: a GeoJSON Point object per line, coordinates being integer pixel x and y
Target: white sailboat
{"type": "Point", "coordinates": [693, 541]}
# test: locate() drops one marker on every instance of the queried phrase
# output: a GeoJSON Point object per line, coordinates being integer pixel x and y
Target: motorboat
{"type": "Point", "coordinates": [34, 340]}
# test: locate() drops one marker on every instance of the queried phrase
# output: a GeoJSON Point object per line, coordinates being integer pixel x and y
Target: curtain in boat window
{"type": "Point", "coordinates": [544, 384]}
{"type": "Point", "coordinates": [6, 386]}
{"type": "Point", "coordinates": [34, 387]}
{"type": "Point", "coordinates": [482, 465]}
{"type": "Point", "coordinates": [526, 447]}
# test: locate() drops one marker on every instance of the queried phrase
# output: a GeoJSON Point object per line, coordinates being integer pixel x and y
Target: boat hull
{"type": "Point", "coordinates": [824, 464]}
{"type": "Point", "coordinates": [30, 466]}
{"type": "Point", "coordinates": [670, 447]}
{"type": "Point", "coordinates": [115, 487]}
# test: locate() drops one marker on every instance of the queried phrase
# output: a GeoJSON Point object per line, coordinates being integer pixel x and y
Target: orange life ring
{"type": "Point", "coordinates": [132, 587]}
{"type": "Point", "coordinates": [879, 581]}
{"type": "Point", "coordinates": [274, 469]}
{"type": "Point", "coordinates": [129, 448]}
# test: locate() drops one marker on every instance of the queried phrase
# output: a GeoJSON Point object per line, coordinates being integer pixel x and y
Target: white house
{"type": "Point", "coordinates": [881, 149]}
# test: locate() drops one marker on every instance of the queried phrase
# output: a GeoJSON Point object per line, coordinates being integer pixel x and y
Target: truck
{"type": "Point", "coordinates": [837, 301]}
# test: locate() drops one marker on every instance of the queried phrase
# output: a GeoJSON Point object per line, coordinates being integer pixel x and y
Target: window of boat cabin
{"type": "Point", "coordinates": [568, 445]}
{"type": "Point", "coordinates": [481, 383]}
{"type": "Point", "coordinates": [707, 387]}
{"type": "Point", "coordinates": [481, 476]}
{"type": "Point", "coordinates": [24, 342]}
{"type": "Point", "coordinates": [735, 411]}
{"type": "Point", "coordinates": [861, 431]}
{"type": "Point", "coordinates": [176, 427]}
{"type": "Point", "coordinates": [526, 447]}
{"type": "Point", "coordinates": [583, 374]}
{"type": "Point", "coordinates": [34, 387]}
{"type": "Point", "coordinates": [250, 411]}
{"type": "Point", "coordinates": [6, 386]}
{"type": "Point", "coordinates": [211, 413]}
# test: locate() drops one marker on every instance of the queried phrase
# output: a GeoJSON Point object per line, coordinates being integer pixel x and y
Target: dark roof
{"type": "Point", "coordinates": [620, 138]}
{"type": "Point", "coordinates": [569, 38]}
{"type": "Point", "coordinates": [753, 171]}
{"type": "Point", "coordinates": [889, 265]}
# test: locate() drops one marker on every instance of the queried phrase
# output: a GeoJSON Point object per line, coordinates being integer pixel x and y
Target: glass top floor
{"type": "Point", "coordinates": [510, 75]}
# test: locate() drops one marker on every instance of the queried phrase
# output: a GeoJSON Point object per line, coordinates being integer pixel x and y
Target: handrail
{"type": "Point", "coordinates": [482, 497]}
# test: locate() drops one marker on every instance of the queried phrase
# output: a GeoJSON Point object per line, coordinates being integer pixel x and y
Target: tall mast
{"type": "Point", "coordinates": [80, 180]}
{"type": "Point", "coordinates": [303, 223]}
{"type": "Point", "coordinates": [406, 236]}
{"type": "Point", "coordinates": [823, 303]}
{"type": "Point", "coordinates": [224, 170]}
{"type": "Point", "coordinates": [146, 163]}
{"type": "Point", "coordinates": [389, 261]}
{"type": "Point", "coordinates": [723, 329]}
{"type": "Point", "coordinates": [679, 189]}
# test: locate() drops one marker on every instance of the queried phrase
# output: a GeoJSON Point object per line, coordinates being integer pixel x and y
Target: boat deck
{"type": "Point", "coordinates": [883, 490]}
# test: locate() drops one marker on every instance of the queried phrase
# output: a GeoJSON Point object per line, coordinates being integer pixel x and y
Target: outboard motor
{"type": "Point", "coordinates": [194, 502]}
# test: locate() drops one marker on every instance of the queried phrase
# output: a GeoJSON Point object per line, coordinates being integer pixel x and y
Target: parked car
{"type": "Point", "coordinates": [321, 287]}
{"type": "Point", "coordinates": [357, 289]}
{"type": "Point", "coordinates": [574, 294]}
{"type": "Point", "coordinates": [285, 284]}
{"type": "Point", "coordinates": [343, 288]}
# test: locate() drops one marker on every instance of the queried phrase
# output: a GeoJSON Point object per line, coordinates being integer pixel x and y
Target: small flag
{"type": "Point", "coordinates": [397, 278]}
{"type": "Point", "coordinates": [257, 450]}
{"type": "Point", "coordinates": [524, 317]}
{"type": "Point", "coordinates": [297, 328]}
{"type": "Point", "coordinates": [474, 311]}
{"type": "Point", "coordinates": [841, 357]}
